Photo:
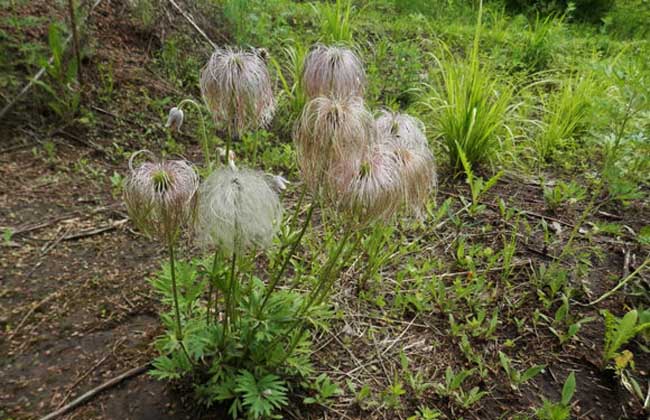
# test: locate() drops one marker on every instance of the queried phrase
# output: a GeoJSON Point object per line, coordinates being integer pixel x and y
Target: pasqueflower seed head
{"type": "Point", "coordinates": [331, 129]}
{"type": "Point", "coordinates": [367, 186]}
{"type": "Point", "coordinates": [160, 197]}
{"type": "Point", "coordinates": [237, 210]}
{"type": "Point", "coordinates": [333, 71]}
{"type": "Point", "coordinates": [404, 136]}
{"type": "Point", "coordinates": [236, 87]}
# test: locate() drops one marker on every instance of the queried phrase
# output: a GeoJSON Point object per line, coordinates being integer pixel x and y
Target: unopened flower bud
{"type": "Point", "coordinates": [279, 183]}
{"type": "Point", "coordinates": [175, 119]}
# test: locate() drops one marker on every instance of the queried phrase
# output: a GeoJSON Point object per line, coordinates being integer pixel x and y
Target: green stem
{"type": "Point", "coordinates": [296, 212]}
{"type": "Point", "coordinates": [179, 329]}
{"type": "Point", "coordinates": [228, 142]}
{"type": "Point", "coordinates": [286, 261]}
{"type": "Point", "coordinates": [213, 279]}
{"type": "Point", "coordinates": [325, 282]}
{"type": "Point", "coordinates": [230, 301]}
{"type": "Point", "coordinates": [205, 144]}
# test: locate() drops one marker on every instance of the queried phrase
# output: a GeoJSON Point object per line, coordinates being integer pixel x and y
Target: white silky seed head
{"type": "Point", "coordinates": [237, 210]}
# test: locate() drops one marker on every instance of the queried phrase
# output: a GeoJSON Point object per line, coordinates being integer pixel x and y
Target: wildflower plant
{"type": "Point", "coordinates": [160, 199]}
{"type": "Point", "coordinates": [244, 338]}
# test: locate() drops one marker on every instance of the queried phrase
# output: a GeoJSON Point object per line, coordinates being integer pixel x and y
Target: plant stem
{"type": "Point", "coordinates": [205, 144]}
{"type": "Point", "coordinates": [325, 281]}
{"type": "Point", "coordinates": [179, 329]}
{"type": "Point", "coordinates": [212, 284]}
{"type": "Point", "coordinates": [75, 41]}
{"type": "Point", "coordinates": [286, 261]}
{"type": "Point", "coordinates": [229, 312]}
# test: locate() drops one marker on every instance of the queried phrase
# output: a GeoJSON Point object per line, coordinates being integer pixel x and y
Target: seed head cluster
{"type": "Point", "coordinates": [160, 197]}
{"type": "Point", "coordinates": [403, 135]}
{"type": "Point", "coordinates": [236, 87]}
{"type": "Point", "coordinates": [370, 168]}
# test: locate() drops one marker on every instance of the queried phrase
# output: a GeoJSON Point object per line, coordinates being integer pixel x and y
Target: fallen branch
{"type": "Point", "coordinates": [30, 312]}
{"type": "Point", "coordinates": [93, 392]}
{"type": "Point", "coordinates": [622, 283]}
{"type": "Point", "coordinates": [515, 264]}
{"type": "Point", "coordinates": [81, 378]}
{"type": "Point", "coordinates": [194, 25]}
{"type": "Point", "coordinates": [97, 231]}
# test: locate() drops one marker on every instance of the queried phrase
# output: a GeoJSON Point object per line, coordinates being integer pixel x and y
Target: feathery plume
{"type": "Point", "coordinates": [328, 130]}
{"type": "Point", "coordinates": [237, 210]}
{"type": "Point", "coordinates": [404, 136]}
{"type": "Point", "coordinates": [333, 71]}
{"type": "Point", "coordinates": [367, 186]}
{"type": "Point", "coordinates": [160, 196]}
{"type": "Point", "coordinates": [236, 86]}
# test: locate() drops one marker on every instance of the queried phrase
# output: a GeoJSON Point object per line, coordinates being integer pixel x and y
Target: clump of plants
{"type": "Point", "coordinates": [237, 324]}
{"type": "Point", "coordinates": [469, 107]}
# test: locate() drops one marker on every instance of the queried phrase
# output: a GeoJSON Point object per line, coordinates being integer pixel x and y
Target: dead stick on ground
{"type": "Point", "coordinates": [93, 232]}
{"type": "Point", "coordinates": [194, 25]}
{"type": "Point", "coordinates": [515, 264]}
{"type": "Point", "coordinates": [90, 394]}
{"type": "Point", "coordinates": [622, 283]}
{"type": "Point", "coordinates": [81, 378]}
{"type": "Point", "coordinates": [40, 73]}
{"type": "Point", "coordinates": [30, 312]}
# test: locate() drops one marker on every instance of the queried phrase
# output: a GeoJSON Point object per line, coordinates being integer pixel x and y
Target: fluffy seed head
{"type": "Point", "coordinates": [331, 129]}
{"type": "Point", "coordinates": [160, 196]}
{"type": "Point", "coordinates": [368, 186]}
{"type": "Point", "coordinates": [237, 210]}
{"type": "Point", "coordinates": [404, 136]}
{"type": "Point", "coordinates": [333, 71]}
{"type": "Point", "coordinates": [236, 86]}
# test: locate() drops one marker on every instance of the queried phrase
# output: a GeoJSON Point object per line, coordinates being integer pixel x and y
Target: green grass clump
{"type": "Point", "coordinates": [469, 106]}
{"type": "Point", "coordinates": [566, 112]}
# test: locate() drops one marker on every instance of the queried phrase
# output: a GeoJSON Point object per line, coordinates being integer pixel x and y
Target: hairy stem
{"type": "Point", "coordinates": [205, 143]}
{"type": "Point", "coordinates": [179, 328]}
{"type": "Point", "coordinates": [230, 299]}
{"type": "Point", "coordinates": [286, 261]}
{"type": "Point", "coordinates": [213, 279]}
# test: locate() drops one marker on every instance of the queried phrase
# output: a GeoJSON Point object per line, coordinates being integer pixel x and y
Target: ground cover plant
{"type": "Point", "coordinates": [324, 209]}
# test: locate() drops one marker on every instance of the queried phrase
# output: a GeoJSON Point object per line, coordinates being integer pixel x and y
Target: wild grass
{"type": "Point", "coordinates": [566, 113]}
{"type": "Point", "coordinates": [469, 106]}
{"type": "Point", "coordinates": [336, 21]}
